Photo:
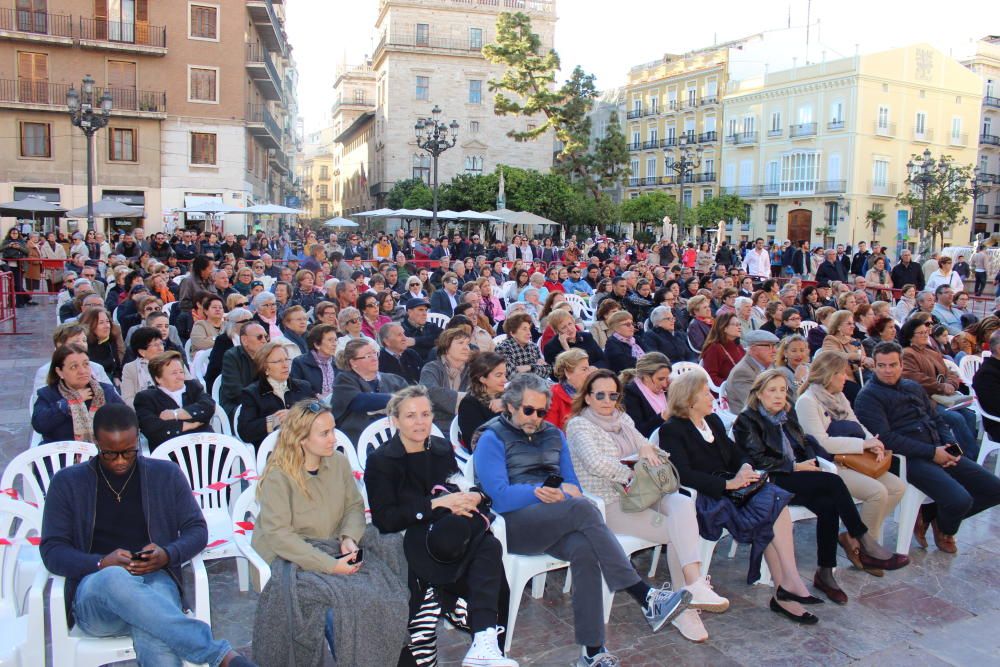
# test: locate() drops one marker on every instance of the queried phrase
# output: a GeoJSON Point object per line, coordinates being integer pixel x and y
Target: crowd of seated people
{"type": "Point", "coordinates": [557, 407]}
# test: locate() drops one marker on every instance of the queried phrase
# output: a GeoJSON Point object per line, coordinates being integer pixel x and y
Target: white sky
{"type": "Point", "coordinates": [607, 38]}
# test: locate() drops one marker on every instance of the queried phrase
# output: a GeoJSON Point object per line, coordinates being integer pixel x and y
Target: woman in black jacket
{"type": "Point", "coordinates": [664, 336]}
{"type": "Point", "coordinates": [646, 392]}
{"type": "Point", "coordinates": [569, 337]}
{"type": "Point", "coordinates": [265, 403]}
{"type": "Point", "coordinates": [708, 462]}
{"type": "Point", "coordinates": [621, 351]}
{"type": "Point", "coordinates": [401, 477]}
{"type": "Point", "coordinates": [769, 433]}
{"type": "Point", "coordinates": [173, 407]}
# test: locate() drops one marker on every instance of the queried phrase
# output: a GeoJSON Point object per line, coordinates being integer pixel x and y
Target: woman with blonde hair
{"type": "Point", "coordinates": [840, 338]}
{"type": "Point", "coordinates": [825, 414]}
{"type": "Point", "coordinates": [646, 392]}
{"type": "Point", "coordinates": [793, 360]}
{"type": "Point", "coordinates": [700, 309]}
{"type": "Point", "coordinates": [622, 349]}
{"type": "Point", "coordinates": [600, 330]}
{"type": "Point", "coordinates": [313, 516]}
{"type": "Point", "coordinates": [571, 368]}
{"type": "Point", "coordinates": [567, 336]}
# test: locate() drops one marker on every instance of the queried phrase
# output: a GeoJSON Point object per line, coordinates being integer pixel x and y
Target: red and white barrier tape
{"type": "Point", "coordinates": [215, 487]}
{"type": "Point", "coordinates": [13, 494]}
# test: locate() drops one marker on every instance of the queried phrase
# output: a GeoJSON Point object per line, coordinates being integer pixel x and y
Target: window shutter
{"type": "Point", "coordinates": [141, 22]}
{"type": "Point", "coordinates": [33, 77]}
{"type": "Point", "coordinates": [101, 19]}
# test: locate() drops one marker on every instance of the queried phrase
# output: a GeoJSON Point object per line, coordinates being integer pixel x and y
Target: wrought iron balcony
{"type": "Point", "coordinates": [650, 111]}
{"type": "Point", "coordinates": [705, 177]}
{"type": "Point", "coordinates": [885, 129]}
{"type": "Point", "coordinates": [708, 137]}
{"type": "Point", "coordinates": [635, 146]}
{"type": "Point", "coordinates": [263, 72]}
{"type": "Point", "coordinates": [827, 187]}
{"type": "Point", "coordinates": [36, 26]}
{"type": "Point", "coordinates": [778, 132]}
{"type": "Point", "coordinates": [742, 138]}
{"type": "Point", "coordinates": [634, 182]}
{"type": "Point", "coordinates": [632, 114]}
{"type": "Point", "coordinates": [652, 143]}
{"type": "Point", "coordinates": [741, 190]}
{"type": "Point", "coordinates": [991, 139]}
{"type": "Point", "coordinates": [670, 106]}
{"type": "Point", "coordinates": [650, 180]}
{"type": "Point", "coordinates": [668, 180]}
{"type": "Point", "coordinates": [669, 142]}
{"type": "Point", "coordinates": [926, 136]}
{"type": "Point", "coordinates": [802, 130]}
{"type": "Point", "coordinates": [991, 101]}
{"type": "Point", "coordinates": [137, 37]}
{"type": "Point", "coordinates": [708, 100]}
{"type": "Point", "coordinates": [26, 93]}
{"type": "Point", "coordinates": [882, 189]}
{"type": "Point", "coordinates": [272, 33]}
{"type": "Point", "coordinates": [262, 125]}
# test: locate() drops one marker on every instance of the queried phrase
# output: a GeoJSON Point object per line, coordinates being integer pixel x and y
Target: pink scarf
{"type": "Point", "coordinates": [656, 401]}
{"type": "Point", "coordinates": [636, 350]}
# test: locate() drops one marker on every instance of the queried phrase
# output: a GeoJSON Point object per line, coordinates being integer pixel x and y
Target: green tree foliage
{"type": "Point", "coordinates": [411, 193]}
{"type": "Point", "coordinates": [724, 207]}
{"type": "Point", "coordinates": [610, 156]}
{"type": "Point", "coordinates": [874, 218]}
{"type": "Point", "coordinates": [947, 193]}
{"type": "Point", "coordinates": [649, 207]}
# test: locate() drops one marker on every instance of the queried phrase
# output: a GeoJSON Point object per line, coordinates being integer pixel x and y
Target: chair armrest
{"type": "Point", "coordinates": [499, 528]}
{"type": "Point", "coordinates": [902, 466]}
{"type": "Point", "coordinates": [985, 415]}
{"type": "Point", "coordinates": [57, 608]}
{"type": "Point", "coordinates": [33, 652]}
{"type": "Point", "coordinates": [598, 502]}
{"type": "Point", "coordinates": [201, 608]}
{"type": "Point", "coordinates": [254, 558]}
{"type": "Point", "coordinates": [827, 466]}
{"type": "Point", "coordinates": [693, 492]}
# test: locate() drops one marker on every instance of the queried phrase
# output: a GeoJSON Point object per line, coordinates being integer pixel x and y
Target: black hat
{"type": "Point", "coordinates": [417, 303]}
{"type": "Point", "coordinates": [438, 553]}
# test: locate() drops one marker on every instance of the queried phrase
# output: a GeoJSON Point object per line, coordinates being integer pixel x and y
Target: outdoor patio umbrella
{"type": "Point", "coordinates": [30, 205]}
{"type": "Point", "coordinates": [340, 222]}
{"type": "Point", "coordinates": [214, 207]}
{"type": "Point", "coordinates": [108, 208]}
{"type": "Point", "coordinates": [273, 209]}
{"type": "Point", "coordinates": [377, 213]}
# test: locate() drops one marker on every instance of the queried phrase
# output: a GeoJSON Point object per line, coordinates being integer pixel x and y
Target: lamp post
{"type": "Point", "coordinates": [84, 116]}
{"type": "Point", "coordinates": [923, 175]}
{"type": "Point", "coordinates": [432, 136]}
{"type": "Point", "coordinates": [977, 187]}
{"type": "Point", "coordinates": [689, 160]}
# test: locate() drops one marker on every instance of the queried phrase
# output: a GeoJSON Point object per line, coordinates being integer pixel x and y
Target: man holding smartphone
{"type": "Point", "coordinates": [910, 425]}
{"type": "Point", "coordinates": [118, 527]}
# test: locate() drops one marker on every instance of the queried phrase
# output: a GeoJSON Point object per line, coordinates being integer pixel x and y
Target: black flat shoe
{"type": "Point", "coordinates": [785, 596]}
{"type": "Point", "coordinates": [805, 619]}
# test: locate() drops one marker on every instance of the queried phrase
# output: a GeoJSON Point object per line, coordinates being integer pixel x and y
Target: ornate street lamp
{"type": "Point", "coordinates": [432, 136]}
{"type": "Point", "coordinates": [978, 186]}
{"type": "Point", "coordinates": [84, 116]}
{"type": "Point", "coordinates": [689, 159]}
{"type": "Point", "coordinates": [923, 176]}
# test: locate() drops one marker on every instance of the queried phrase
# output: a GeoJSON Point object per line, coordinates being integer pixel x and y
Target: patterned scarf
{"type": "Point", "coordinates": [780, 420]}
{"type": "Point", "coordinates": [630, 341]}
{"type": "Point", "coordinates": [625, 437]}
{"type": "Point", "coordinates": [327, 369]}
{"type": "Point", "coordinates": [835, 405]}
{"type": "Point", "coordinates": [82, 416]}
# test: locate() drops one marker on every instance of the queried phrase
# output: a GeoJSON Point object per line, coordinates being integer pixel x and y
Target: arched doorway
{"type": "Point", "coordinates": [799, 225]}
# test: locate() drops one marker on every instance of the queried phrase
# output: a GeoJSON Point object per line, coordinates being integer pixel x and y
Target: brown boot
{"type": "Point", "coordinates": [945, 543]}
{"type": "Point", "coordinates": [920, 530]}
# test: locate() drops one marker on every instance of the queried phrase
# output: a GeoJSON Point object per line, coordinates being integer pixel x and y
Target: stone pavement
{"type": "Point", "coordinates": [941, 610]}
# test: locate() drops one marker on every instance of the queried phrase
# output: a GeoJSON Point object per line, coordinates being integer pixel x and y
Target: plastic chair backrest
{"type": "Point", "coordinates": [28, 522]}
{"type": "Point", "coordinates": [807, 326]}
{"type": "Point", "coordinates": [167, 307]}
{"type": "Point", "coordinates": [199, 365]}
{"type": "Point", "coordinates": [36, 467]}
{"type": "Point", "coordinates": [499, 338]}
{"type": "Point", "coordinates": [439, 319]}
{"type": "Point", "coordinates": [377, 434]}
{"type": "Point", "coordinates": [681, 367]}
{"type": "Point", "coordinates": [968, 367]}
{"type": "Point", "coordinates": [220, 421]}
{"type": "Point", "coordinates": [208, 458]}
{"type": "Point", "coordinates": [266, 449]}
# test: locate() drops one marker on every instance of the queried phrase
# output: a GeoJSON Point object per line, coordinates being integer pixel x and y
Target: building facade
{"type": "Point", "coordinates": [985, 63]}
{"type": "Point", "coordinates": [314, 169]}
{"type": "Point", "coordinates": [673, 102]}
{"type": "Point", "coordinates": [429, 54]}
{"type": "Point", "coordinates": [814, 148]}
{"type": "Point", "coordinates": [203, 103]}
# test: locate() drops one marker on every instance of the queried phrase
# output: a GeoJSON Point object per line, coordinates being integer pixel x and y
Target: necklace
{"type": "Point", "coordinates": [117, 494]}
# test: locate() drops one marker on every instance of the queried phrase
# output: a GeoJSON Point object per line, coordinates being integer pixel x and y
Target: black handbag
{"type": "Point", "coordinates": [740, 497]}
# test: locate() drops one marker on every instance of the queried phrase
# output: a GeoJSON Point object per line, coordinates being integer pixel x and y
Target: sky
{"type": "Point", "coordinates": [607, 39]}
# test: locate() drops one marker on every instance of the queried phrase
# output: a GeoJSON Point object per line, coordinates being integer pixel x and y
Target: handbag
{"type": "Point", "coordinates": [865, 462]}
{"type": "Point", "coordinates": [649, 484]}
{"type": "Point", "coordinates": [740, 497]}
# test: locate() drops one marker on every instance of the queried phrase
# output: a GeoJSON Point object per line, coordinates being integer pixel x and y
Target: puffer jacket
{"type": "Point", "coordinates": [903, 416]}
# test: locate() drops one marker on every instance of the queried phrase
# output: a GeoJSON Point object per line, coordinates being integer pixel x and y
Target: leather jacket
{"type": "Point", "coordinates": [760, 439]}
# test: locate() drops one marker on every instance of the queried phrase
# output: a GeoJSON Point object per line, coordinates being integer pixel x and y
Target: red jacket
{"type": "Point", "coordinates": [720, 358]}
{"type": "Point", "coordinates": [559, 408]}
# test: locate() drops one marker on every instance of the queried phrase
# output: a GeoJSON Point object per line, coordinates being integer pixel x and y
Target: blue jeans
{"type": "Point", "coordinates": [113, 603]}
{"type": "Point", "coordinates": [959, 492]}
{"type": "Point", "coordinates": [963, 425]}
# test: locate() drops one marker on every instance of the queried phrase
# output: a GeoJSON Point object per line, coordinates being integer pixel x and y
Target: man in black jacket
{"type": "Point", "coordinates": [416, 326]}
{"type": "Point", "coordinates": [985, 382]}
{"type": "Point", "coordinates": [831, 269]}
{"type": "Point", "coordinates": [397, 355]}
{"type": "Point", "coordinates": [860, 259]}
{"type": "Point", "coordinates": [907, 272]}
{"type": "Point", "coordinates": [664, 337]}
{"type": "Point", "coordinates": [238, 368]}
{"type": "Point", "coordinates": [119, 527]}
{"type": "Point", "coordinates": [906, 420]}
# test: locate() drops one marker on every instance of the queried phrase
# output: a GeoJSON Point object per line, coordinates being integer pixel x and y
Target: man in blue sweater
{"type": "Point", "coordinates": [516, 455]}
{"type": "Point", "coordinates": [118, 527]}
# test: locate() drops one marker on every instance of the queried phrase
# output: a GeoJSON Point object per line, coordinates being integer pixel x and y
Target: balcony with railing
{"type": "Point", "coordinates": [989, 139]}
{"type": "Point", "coordinates": [882, 189]}
{"type": "Point", "coordinates": [650, 180]}
{"type": "Point", "coordinates": [635, 146]}
{"type": "Point", "coordinates": [708, 137]}
{"type": "Point", "coordinates": [263, 72]}
{"type": "Point", "coordinates": [982, 209]}
{"type": "Point", "coordinates": [634, 182]}
{"type": "Point", "coordinates": [139, 37]}
{"type": "Point", "coordinates": [262, 125]}
{"type": "Point", "coordinates": [650, 111]}
{"type": "Point", "coordinates": [269, 26]}
{"type": "Point", "coordinates": [987, 178]}
{"type": "Point", "coordinates": [885, 129]}
{"type": "Point", "coordinates": [669, 142]}
{"type": "Point", "coordinates": [704, 177]}
{"type": "Point", "coordinates": [991, 101]}
{"type": "Point", "coordinates": [690, 136]}
{"type": "Point", "coordinates": [278, 160]}
{"type": "Point", "coordinates": [669, 107]}
{"type": "Point", "coordinates": [802, 130]}
{"type": "Point", "coordinates": [745, 191]}
{"type": "Point", "coordinates": [652, 143]}
{"type": "Point", "coordinates": [632, 114]}
{"type": "Point", "coordinates": [36, 26]}
{"type": "Point", "coordinates": [742, 139]}
{"type": "Point", "coordinates": [775, 133]}
{"type": "Point", "coordinates": [835, 125]}
{"type": "Point", "coordinates": [45, 96]}
{"type": "Point", "coordinates": [830, 187]}
{"type": "Point", "coordinates": [924, 135]}
{"type": "Point", "coordinates": [413, 41]}
{"type": "Point", "coordinates": [708, 100]}
{"type": "Point", "coordinates": [668, 180]}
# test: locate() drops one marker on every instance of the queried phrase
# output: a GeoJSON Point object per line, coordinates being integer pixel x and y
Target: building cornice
{"type": "Point", "coordinates": [765, 94]}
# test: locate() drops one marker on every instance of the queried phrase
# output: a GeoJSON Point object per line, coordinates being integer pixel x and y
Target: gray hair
{"type": "Point", "coordinates": [385, 330]}
{"type": "Point", "coordinates": [457, 263]}
{"type": "Point", "coordinates": [658, 314]}
{"type": "Point", "coordinates": [232, 317]}
{"type": "Point", "coordinates": [348, 313]}
{"type": "Point", "coordinates": [995, 343]}
{"type": "Point", "coordinates": [405, 394]}
{"type": "Point", "coordinates": [262, 298]}
{"type": "Point", "coordinates": [330, 282]}
{"type": "Point", "coordinates": [742, 301]}
{"type": "Point", "coordinates": [513, 395]}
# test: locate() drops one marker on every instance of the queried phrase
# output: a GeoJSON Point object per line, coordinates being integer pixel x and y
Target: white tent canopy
{"type": "Point", "coordinates": [340, 222]}
{"type": "Point", "coordinates": [273, 209]}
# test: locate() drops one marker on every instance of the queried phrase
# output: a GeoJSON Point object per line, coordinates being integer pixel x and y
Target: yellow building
{"type": "Point", "coordinates": [672, 101]}
{"type": "Point", "coordinates": [814, 148]}
{"type": "Point", "coordinates": [315, 168]}
{"type": "Point", "coordinates": [985, 63]}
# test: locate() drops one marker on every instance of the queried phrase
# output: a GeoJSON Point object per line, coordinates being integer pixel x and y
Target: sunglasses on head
{"type": "Point", "coordinates": [530, 410]}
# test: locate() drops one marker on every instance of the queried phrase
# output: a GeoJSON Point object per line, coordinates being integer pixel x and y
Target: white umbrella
{"type": "Point", "coordinates": [340, 222]}
{"type": "Point", "coordinates": [214, 207]}
{"type": "Point", "coordinates": [273, 209]}
{"type": "Point", "coordinates": [476, 215]}
{"type": "Point", "coordinates": [108, 208]}
{"type": "Point", "coordinates": [377, 213]}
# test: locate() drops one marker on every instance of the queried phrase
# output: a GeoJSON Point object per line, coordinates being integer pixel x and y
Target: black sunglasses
{"type": "Point", "coordinates": [529, 410]}
{"type": "Point", "coordinates": [606, 395]}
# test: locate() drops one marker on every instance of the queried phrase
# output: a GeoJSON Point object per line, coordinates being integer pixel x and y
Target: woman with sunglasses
{"type": "Point", "coordinates": [234, 320]}
{"type": "Point", "coordinates": [175, 405]}
{"type": "Point", "coordinates": [264, 404]}
{"type": "Point", "coordinates": [600, 435]}
{"type": "Point", "coordinates": [64, 408]}
{"type": "Point", "coordinates": [372, 318]}
{"type": "Point", "coordinates": [622, 349]}
{"type": "Point", "coordinates": [350, 324]}
{"type": "Point", "coordinates": [360, 391]}
{"type": "Point", "coordinates": [389, 307]}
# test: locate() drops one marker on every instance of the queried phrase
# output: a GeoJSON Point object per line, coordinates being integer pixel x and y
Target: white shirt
{"type": "Point", "coordinates": [176, 395]}
{"type": "Point", "coordinates": [758, 264]}
{"type": "Point", "coordinates": [953, 279]}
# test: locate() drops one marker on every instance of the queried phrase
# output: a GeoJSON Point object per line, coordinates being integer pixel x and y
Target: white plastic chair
{"type": "Point", "coordinates": [968, 367]}
{"type": "Point", "coordinates": [439, 319]}
{"type": "Point", "coordinates": [681, 367]}
{"type": "Point", "coordinates": [187, 350]}
{"type": "Point", "coordinates": [236, 420]}
{"type": "Point", "coordinates": [807, 326]}
{"type": "Point", "coordinates": [204, 459]}
{"type": "Point", "coordinates": [220, 421]}
{"type": "Point", "coordinates": [988, 444]}
{"type": "Point", "coordinates": [377, 434]}
{"type": "Point", "coordinates": [245, 513]}
{"type": "Point", "coordinates": [499, 338]}
{"type": "Point", "coordinates": [22, 642]}
{"type": "Point", "coordinates": [344, 446]}
{"type": "Point", "coordinates": [167, 307]}
{"type": "Point", "coordinates": [455, 436]}
{"type": "Point", "coordinates": [908, 508]}
{"type": "Point", "coordinates": [177, 279]}
{"type": "Point", "coordinates": [199, 365]}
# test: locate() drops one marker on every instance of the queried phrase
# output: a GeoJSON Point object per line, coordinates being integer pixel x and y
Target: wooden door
{"type": "Point", "coordinates": [33, 77]}
{"type": "Point", "coordinates": [121, 82]}
{"type": "Point", "coordinates": [799, 225]}
{"type": "Point", "coordinates": [32, 16]}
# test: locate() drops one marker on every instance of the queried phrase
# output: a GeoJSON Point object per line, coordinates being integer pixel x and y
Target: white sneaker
{"type": "Point", "coordinates": [485, 652]}
{"type": "Point", "coordinates": [689, 624]}
{"type": "Point", "coordinates": [704, 598]}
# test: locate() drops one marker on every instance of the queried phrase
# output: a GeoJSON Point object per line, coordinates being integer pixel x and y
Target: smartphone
{"type": "Point", "coordinates": [359, 556]}
{"type": "Point", "coordinates": [553, 481]}
{"type": "Point", "coordinates": [141, 555]}
{"type": "Point", "coordinates": [953, 449]}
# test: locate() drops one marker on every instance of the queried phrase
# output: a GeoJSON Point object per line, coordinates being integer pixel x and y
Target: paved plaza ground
{"type": "Point", "coordinates": [941, 610]}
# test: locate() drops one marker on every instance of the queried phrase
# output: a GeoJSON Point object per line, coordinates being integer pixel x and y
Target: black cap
{"type": "Point", "coordinates": [417, 303]}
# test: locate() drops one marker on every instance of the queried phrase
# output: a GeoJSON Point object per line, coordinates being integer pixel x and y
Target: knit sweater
{"type": "Point", "coordinates": [596, 458]}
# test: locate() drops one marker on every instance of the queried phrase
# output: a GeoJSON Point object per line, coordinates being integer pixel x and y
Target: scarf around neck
{"type": "Point", "coordinates": [656, 401]}
{"type": "Point", "coordinates": [82, 416]}
{"type": "Point", "coordinates": [326, 368]}
{"type": "Point", "coordinates": [835, 405]}
{"type": "Point", "coordinates": [621, 432]}
{"type": "Point", "coordinates": [787, 450]}
{"type": "Point", "coordinates": [630, 341]}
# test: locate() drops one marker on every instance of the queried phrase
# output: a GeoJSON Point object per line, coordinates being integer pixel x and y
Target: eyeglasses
{"type": "Point", "coordinates": [240, 304]}
{"type": "Point", "coordinates": [530, 410]}
{"type": "Point", "coordinates": [127, 454]}
{"type": "Point", "coordinates": [371, 304]}
{"type": "Point", "coordinates": [612, 396]}
{"type": "Point", "coordinates": [259, 337]}
{"type": "Point", "coordinates": [353, 320]}
{"type": "Point", "coordinates": [366, 357]}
